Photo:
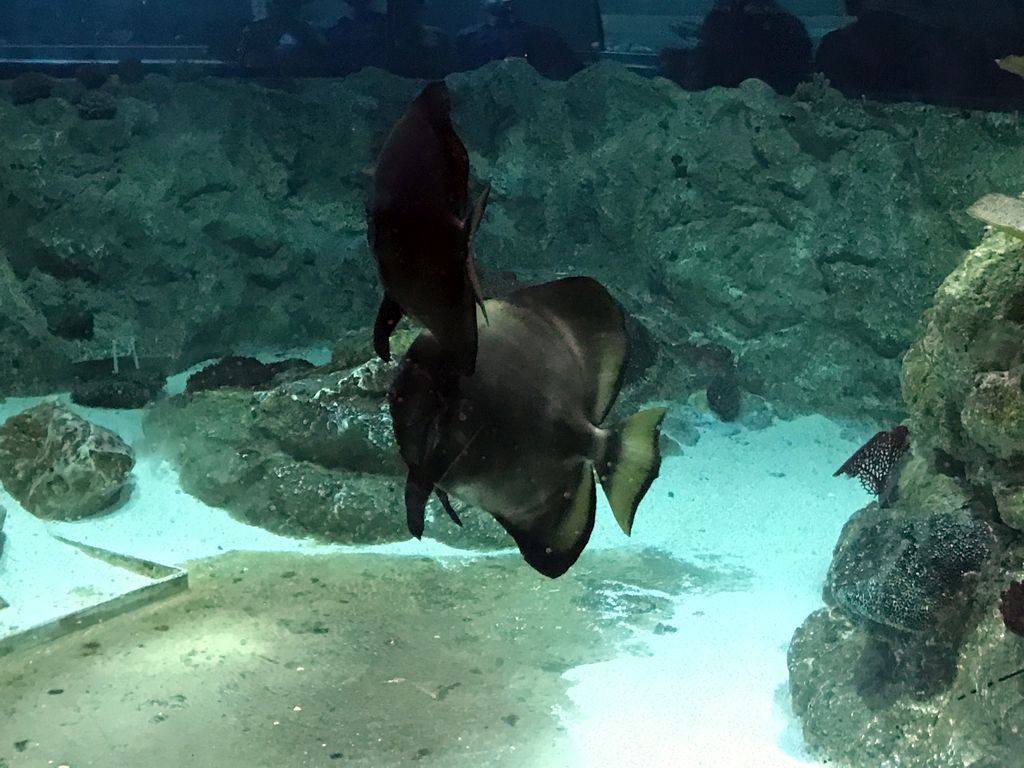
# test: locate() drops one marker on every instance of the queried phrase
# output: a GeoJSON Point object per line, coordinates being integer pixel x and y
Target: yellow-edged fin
{"type": "Point", "coordinates": [631, 463]}
{"type": "Point", "coordinates": [1002, 212]}
{"type": "Point", "coordinates": [560, 532]}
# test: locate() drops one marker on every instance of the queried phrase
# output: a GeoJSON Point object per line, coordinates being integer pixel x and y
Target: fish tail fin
{"type": "Point", "coordinates": [630, 463]}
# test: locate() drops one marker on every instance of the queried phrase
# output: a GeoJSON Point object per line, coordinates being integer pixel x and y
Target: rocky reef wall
{"type": "Point", "coordinates": [804, 234]}
{"type": "Point", "coordinates": [918, 658]}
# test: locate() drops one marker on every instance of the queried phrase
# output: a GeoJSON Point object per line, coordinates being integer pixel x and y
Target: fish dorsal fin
{"type": "Point", "coordinates": [594, 328]}
{"type": "Point", "coordinates": [560, 530]}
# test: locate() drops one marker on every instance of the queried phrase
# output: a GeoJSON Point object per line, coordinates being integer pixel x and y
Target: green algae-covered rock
{"type": "Point", "coordinates": [226, 459]}
{"type": "Point", "coordinates": [962, 378]}
{"type": "Point", "coordinates": [993, 413]}
{"type": "Point", "coordinates": [867, 699]}
{"type": "Point", "coordinates": [805, 234]}
{"type": "Point", "coordinates": [30, 86]}
{"type": "Point", "coordinates": [911, 663]}
{"type": "Point", "coordinates": [335, 418]}
{"type": "Point", "coordinates": [61, 467]}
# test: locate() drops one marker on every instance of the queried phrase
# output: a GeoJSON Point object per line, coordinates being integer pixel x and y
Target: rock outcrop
{"type": "Point", "coordinates": [803, 234]}
{"type": "Point", "coordinates": [916, 659]}
{"type": "Point", "coordinates": [311, 453]}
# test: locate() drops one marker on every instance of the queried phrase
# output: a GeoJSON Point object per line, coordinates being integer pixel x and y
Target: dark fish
{"type": "Point", "coordinates": [999, 21]}
{"type": "Point", "coordinates": [421, 226]}
{"type": "Point", "coordinates": [521, 438]}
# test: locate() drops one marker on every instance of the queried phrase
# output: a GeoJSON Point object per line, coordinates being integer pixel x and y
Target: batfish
{"type": "Point", "coordinates": [421, 227]}
{"type": "Point", "coordinates": [522, 438]}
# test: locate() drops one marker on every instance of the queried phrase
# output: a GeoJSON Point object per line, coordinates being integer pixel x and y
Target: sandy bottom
{"type": "Point", "coordinates": [296, 660]}
{"type": "Point", "coordinates": [667, 649]}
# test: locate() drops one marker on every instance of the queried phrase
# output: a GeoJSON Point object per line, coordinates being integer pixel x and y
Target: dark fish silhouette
{"type": "Point", "coordinates": [421, 227]}
{"type": "Point", "coordinates": [521, 438]}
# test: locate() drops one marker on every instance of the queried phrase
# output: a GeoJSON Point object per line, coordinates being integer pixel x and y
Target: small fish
{"type": "Point", "coordinates": [1002, 212]}
{"type": "Point", "coordinates": [522, 437]}
{"type": "Point", "coordinates": [421, 227]}
{"type": "Point", "coordinates": [1012, 64]}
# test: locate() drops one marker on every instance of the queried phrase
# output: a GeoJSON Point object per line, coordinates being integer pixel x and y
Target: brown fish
{"type": "Point", "coordinates": [522, 437]}
{"type": "Point", "coordinates": [421, 227]}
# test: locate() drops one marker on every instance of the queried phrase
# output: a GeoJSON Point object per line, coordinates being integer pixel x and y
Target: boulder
{"type": "Point", "coordinates": [61, 467]}
{"type": "Point", "coordinates": [917, 659]}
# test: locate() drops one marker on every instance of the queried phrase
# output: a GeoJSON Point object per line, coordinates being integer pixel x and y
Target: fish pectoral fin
{"type": "Point", "coordinates": [476, 215]}
{"type": "Point", "coordinates": [631, 463]}
{"type": "Point", "coordinates": [447, 505]}
{"type": "Point", "coordinates": [388, 316]}
{"type": "Point", "coordinates": [461, 337]}
{"type": "Point", "coordinates": [558, 531]}
{"type": "Point", "coordinates": [416, 494]}
{"type": "Point", "coordinates": [473, 280]}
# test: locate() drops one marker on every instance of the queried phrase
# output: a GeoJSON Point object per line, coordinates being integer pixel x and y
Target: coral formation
{"type": "Point", "coordinates": [764, 213]}
{"type": "Point", "coordinates": [919, 608]}
{"type": "Point", "coordinates": [129, 389]}
{"type": "Point", "coordinates": [130, 71]}
{"type": "Point", "coordinates": [30, 86]}
{"type": "Point", "coordinates": [61, 467]}
{"type": "Point", "coordinates": [741, 39]}
{"type": "Point", "coordinates": [888, 55]}
{"type": "Point", "coordinates": [97, 105]}
{"type": "Point", "coordinates": [92, 76]}
{"type": "Point", "coordinates": [242, 372]}
{"type": "Point", "coordinates": [961, 379]}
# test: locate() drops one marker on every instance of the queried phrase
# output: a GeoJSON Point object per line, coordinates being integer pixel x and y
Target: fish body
{"type": "Point", "coordinates": [999, 22]}
{"type": "Point", "coordinates": [523, 437]}
{"type": "Point", "coordinates": [421, 226]}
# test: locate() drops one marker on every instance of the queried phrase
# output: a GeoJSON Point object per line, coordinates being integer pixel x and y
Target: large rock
{"type": "Point", "coordinates": [867, 700]}
{"type": "Point", "coordinates": [903, 573]}
{"type": "Point", "coordinates": [3, 516]}
{"type": "Point", "coordinates": [911, 663]}
{"type": "Point", "coordinates": [60, 466]}
{"type": "Point", "coordinates": [803, 233]}
{"type": "Point", "coordinates": [962, 378]}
